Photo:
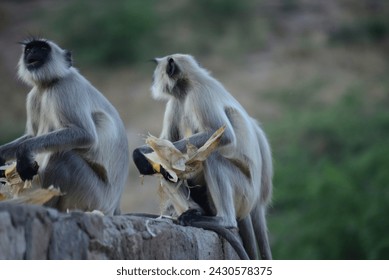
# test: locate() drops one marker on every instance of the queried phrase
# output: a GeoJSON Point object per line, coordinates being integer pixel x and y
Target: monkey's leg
{"type": "Point", "coordinates": [219, 184]}
{"type": "Point", "coordinates": [246, 231]}
{"type": "Point", "coordinates": [260, 229]}
{"type": "Point", "coordinates": [85, 186]}
{"type": "Point", "coordinates": [220, 176]}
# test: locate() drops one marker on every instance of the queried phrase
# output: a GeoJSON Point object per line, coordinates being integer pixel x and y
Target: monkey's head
{"type": "Point", "coordinates": [43, 62]}
{"type": "Point", "coordinates": [175, 75]}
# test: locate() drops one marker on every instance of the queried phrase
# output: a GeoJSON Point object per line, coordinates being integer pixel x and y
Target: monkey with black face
{"type": "Point", "coordinates": [74, 139]}
{"type": "Point", "coordinates": [235, 185]}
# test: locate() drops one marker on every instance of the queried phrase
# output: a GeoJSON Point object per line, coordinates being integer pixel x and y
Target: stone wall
{"type": "Point", "coordinates": [34, 232]}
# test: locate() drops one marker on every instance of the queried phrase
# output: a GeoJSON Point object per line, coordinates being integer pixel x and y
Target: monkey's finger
{"type": "Point", "coordinates": [35, 166]}
{"type": "Point", "coordinates": [166, 175]}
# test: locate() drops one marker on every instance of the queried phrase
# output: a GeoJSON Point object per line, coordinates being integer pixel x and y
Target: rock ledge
{"type": "Point", "coordinates": [34, 232]}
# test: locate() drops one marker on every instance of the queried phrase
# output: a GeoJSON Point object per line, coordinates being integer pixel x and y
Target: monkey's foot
{"type": "Point", "coordinates": [189, 216]}
{"type": "Point", "coordinates": [192, 217]}
{"type": "Point", "coordinates": [196, 218]}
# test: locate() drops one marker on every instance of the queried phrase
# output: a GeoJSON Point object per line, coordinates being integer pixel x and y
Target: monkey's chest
{"type": "Point", "coordinates": [189, 125]}
{"type": "Point", "coordinates": [44, 118]}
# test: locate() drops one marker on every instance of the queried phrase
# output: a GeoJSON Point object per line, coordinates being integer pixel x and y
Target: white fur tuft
{"type": "Point", "coordinates": [56, 67]}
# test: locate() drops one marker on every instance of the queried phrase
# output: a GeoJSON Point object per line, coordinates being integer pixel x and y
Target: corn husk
{"type": "Point", "coordinates": [181, 165]}
{"type": "Point", "coordinates": [14, 190]}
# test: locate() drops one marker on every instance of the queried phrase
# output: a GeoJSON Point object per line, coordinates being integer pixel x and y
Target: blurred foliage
{"type": "Point", "coordinates": [369, 24]}
{"type": "Point", "coordinates": [125, 32]}
{"type": "Point", "coordinates": [108, 32]}
{"type": "Point", "coordinates": [332, 180]}
{"type": "Point", "coordinates": [370, 30]}
{"type": "Point", "coordinates": [226, 26]}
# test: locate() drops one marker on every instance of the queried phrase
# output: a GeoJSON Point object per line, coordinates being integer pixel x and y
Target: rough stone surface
{"type": "Point", "coordinates": [33, 232]}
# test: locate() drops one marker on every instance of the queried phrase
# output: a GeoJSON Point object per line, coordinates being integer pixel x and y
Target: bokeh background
{"type": "Point", "coordinates": [315, 73]}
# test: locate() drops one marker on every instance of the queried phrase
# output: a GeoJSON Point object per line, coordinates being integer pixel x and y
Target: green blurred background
{"type": "Point", "coordinates": [315, 73]}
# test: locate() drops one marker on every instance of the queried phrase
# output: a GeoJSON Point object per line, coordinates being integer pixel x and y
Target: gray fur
{"type": "Point", "coordinates": [74, 134]}
{"type": "Point", "coordinates": [238, 175]}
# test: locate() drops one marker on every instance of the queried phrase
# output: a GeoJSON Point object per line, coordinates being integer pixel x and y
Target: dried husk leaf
{"type": "Point", "coordinates": [14, 190]}
{"type": "Point", "coordinates": [181, 165]}
{"type": "Point", "coordinates": [155, 160]}
{"type": "Point", "coordinates": [204, 151]}
{"type": "Point", "coordinates": [167, 153]}
{"type": "Point", "coordinates": [37, 196]}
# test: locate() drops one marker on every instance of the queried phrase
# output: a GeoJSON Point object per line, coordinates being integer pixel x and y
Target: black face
{"type": "Point", "coordinates": [36, 54]}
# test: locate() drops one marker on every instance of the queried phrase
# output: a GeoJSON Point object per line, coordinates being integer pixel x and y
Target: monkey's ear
{"type": "Point", "coordinates": [68, 58]}
{"type": "Point", "coordinates": [171, 68]}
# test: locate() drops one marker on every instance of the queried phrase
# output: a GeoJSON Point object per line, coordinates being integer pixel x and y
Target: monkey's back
{"type": "Point", "coordinates": [73, 101]}
{"type": "Point", "coordinates": [111, 147]}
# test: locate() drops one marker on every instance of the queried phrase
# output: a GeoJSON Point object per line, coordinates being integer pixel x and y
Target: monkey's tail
{"type": "Point", "coordinates": [226, 234]}
{"type": "Point", "coordinates": [258, 213]}
{"type": "Point", "coordinates": [260, 230]}
{"type": "Point", "coordinates": [246, 231]}
{"type": "Point", "coordinates": [220, 230]}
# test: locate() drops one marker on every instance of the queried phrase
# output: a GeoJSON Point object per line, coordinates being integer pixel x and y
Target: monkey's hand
{"type": "Point", "coordinates": [166, 174]}
{"type": "Point", "coordinates": [2, 163]}
{"type": "Point", "coordinates": [141, 162]}
{"type": "Point", "coordinates": [26, 166]}
{"type": "Point", "coordinates": [146, 168]}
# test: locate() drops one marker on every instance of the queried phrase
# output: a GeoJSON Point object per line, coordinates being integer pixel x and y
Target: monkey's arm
{"type": "Point", "coordinates": [146, 168]}
{"type": "Point", "coordinates": [199, 139]}
{"type": "Point", "coordinates": [209, 118]}
{"type": "Point", "coordinates": [65, 139]}
{"type": "Point", "coordinates": [212, 119]}
{"type": "Point", "coordinates": [8, 151]}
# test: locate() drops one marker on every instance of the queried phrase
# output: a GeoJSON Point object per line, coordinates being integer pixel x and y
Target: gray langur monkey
{"type": "Point", "coordinates": [235, 185]}
{"type": "Point", "coordinates": [74, 139]}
